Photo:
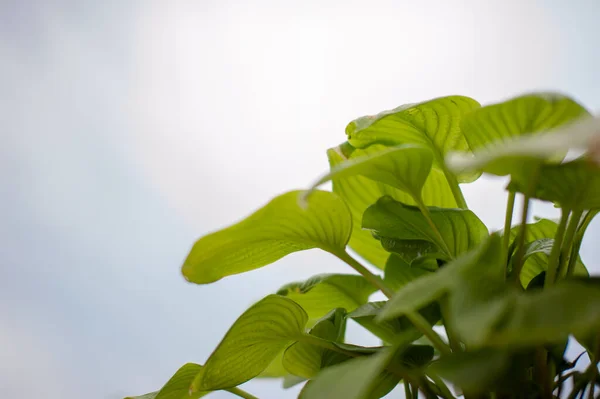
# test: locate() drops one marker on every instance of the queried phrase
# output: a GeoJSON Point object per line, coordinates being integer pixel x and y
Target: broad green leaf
{"type": "Point", "coordinates": [252, 343]}
{"type": "Point", "coordinates": [305, 360]}
{"type": "Point", "coordinates": [404, 167]}
{"type": "Point", "coordinates": [573, 185]}
{"type": "Point", "coordinates": [278, 229]}
{"type": "Point", "coordinates": [398, 331]}
{"type": "Point", "coordinates": [477, 300]}
{"type": "Point", "coordinates": [398, 272]}
{"type": "Point", "coordinates": [321, 293]}
{"type": "Point", "coordinates": [413, 251]}
{"type": "Point", "coordinates": [360, 192]}
{"type": "Point", "coordinates": [473, 371]}
{"type": "Point", "coordinates": [537, 259]}
{"type": "Point", "coordinates": [460, 230]}
{"type": "Point", "coordinates": [433, 286]}
{"type": "Point", "coordinates": [434, 124]}
{"type": "Point", "coordinates": [549, 316]}
{"type": "Point", "coordinates": [527, 114]}
{"type": "Point", "coordinates": [178, 386]}
{"type": "Point", "coordinates": [360, 378]}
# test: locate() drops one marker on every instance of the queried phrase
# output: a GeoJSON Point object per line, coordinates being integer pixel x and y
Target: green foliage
{"type": "Point", "coordinates": [508, 302]}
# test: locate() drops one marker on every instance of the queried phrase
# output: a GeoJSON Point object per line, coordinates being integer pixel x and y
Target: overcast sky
{"type": "Point", "coordinates": [129, 129]}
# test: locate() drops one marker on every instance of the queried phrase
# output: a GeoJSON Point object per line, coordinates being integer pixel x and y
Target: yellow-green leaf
{"type": "Point", "coordinates": [178, 386]}
{"type": "Point", "coordinates": [276, 230]}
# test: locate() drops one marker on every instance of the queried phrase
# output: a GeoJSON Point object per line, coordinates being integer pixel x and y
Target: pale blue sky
{"type": "Point", "coordinates": [129, 129]}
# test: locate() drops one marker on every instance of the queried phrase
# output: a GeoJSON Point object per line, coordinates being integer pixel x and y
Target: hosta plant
{"type": "Point", "coordinates": [469, 311]}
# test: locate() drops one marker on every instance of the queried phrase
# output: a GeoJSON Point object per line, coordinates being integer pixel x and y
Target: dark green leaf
{"type": "Point", "coordinates": [178, 386]}
{"type": "Point", "coordinates": [321, 293]}
{"type": "Point", "coordinates": [460, 229]}
{"type": "Point", "coordinates": [252, 343]}
{"type": "Point", "coordinates": [278, 229]}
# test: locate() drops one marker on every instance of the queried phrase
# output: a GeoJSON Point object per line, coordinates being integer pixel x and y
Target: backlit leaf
{"type": "Point", "coordinates": [321, 293]}
{"type": "Point", "coordinates": [252, 343]}
{"type": "Point", "coordinates": [278, 229]}
{"type": "Point", "coordinates": [178, 386]}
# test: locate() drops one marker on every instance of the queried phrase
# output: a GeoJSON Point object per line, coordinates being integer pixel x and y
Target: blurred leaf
{"type": "Point", "coordinates": [473, 371]}
{"type": "Point", "coordinates": [290, 381]}
{"type": "Point", "coordinates": [551, 315]}
{"type": "Point", "coordinates": [398, 272]}
{"type": "Point", "coordinates": [305, 360]}
{"type": "Point", "coordinates": [278, 229]}
{"type": "Point", "coordinates": [319, 294]}
{"type": "Point", "coordinates": [537, 256]}
{"type": "Point", "coordinates": [526, 114]}
{"type": "Point", "coordinates": [178, 386]}
{"type": "Point", "coordinates": [433, 286]}
{"type": "Point", "coordinates": [460, 229]}
{"type": "Point", "coordinates": [359, 192]}
{"type": "Point", "coordinates": [398, 331]}
{"type": "Point", "coordinates": [404, 167]}
{"type": "Point", "coordinates": [573, 185]}
{"type": "Point", "coordinates": [360, 378]}
{"type": "Point", "coordinates": [252, 343]}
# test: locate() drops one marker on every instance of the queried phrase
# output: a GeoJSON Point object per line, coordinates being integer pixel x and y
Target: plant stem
{"type": "Point", "coordinates": [241, 393]}
{"type": "Point", "coordinates": [452, 339]}
{"type": "Point", "coordinates": [441, 385]}
{"type": "Point", "coordinates": [578, 240]}
{"type": "Point", "coordinates": [374, 279]}
{"type": "Point", "coordinates": [521, 242]}
{"type": "Point", "coordinates": [423, 326]}
{"type": "Point", "coordinates": [541, 375]}
{"type": "Point", "coordinates": [568, 243]}
{"type": "Point", "coordinates": [407, 392]}
{"type": "Point", "coordinates": [556, 247]}
{"type": "Point", "coordinates": [415, 318]}
{"type": "Point", "coordinates": [427, 214]}
{"type": "Point", "coordinates": [510, 206]}
{"type": "Point", "coordinates": [455, 188]}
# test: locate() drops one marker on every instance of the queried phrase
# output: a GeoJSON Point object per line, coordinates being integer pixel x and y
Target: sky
{"type": "Point", "coordinates": [130, 129]}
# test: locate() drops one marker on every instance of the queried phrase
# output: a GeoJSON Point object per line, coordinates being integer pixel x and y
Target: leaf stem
{"type": "Point", "coordinates": [414, 317]}
{"type": "Point", "coordinates": [375, 280]}
{"type": "Point", "coordinates": [452, 339]}
{"type": "Point", "coordinates": [241, 393]}
{"type": "Point", "coordinates": [578, 240]}
{"type": "Point", "coordinates": [427, 215]}
{"type": "Point", "coordinates": [455, 188]}
{"type": "Point", "coordinates": [407, 392]}
{"type": "Point", "coordinates": [568, 243]}
{"type": "Point", "coordinates": [556, 247]}
{"type": "Point", "coordinates": [510, 207]}
{"type": "Point", "coordinates": [518, 266]}
{"type": "Point", "coordinates": [446, 394]}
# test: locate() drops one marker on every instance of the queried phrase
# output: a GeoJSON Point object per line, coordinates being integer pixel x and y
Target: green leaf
{"type": "Point", "coordinates": [178, 386]}
{"type": "Point", "coordinates": [537, 254]}
{"type": "Point", "coordinates": [460, 230]}
{"type": "Point", "coordinates": [321, 293]}
{"type": "Point", "coordinates": [360, 192]}
{"type": "Point", "coordinates": [434, 124]}
{"type": "Point", "coordinates": [433, 286]}
{"type": "Point", "coordinates": [473, 371]}
{"type": "Point", "coordinates": [551, 315]}
{"type": "Point", "coordinates": [398, 331]}
{"type": "Point", "coordinates": [360, 378]}
{"type": "Point", "coordinates": [398, 272]}
{"type": "Point", "coordinates": [252, 343]}
{"type": "Point", "coordinates": [404, 167]}
{"type": "Point", "coordinates": [573, 185]}
{"type": "Point", "coordinates": [278, 229]}
{"type": "Point", "coordinates": [527, 114]}
{"type": "Point", "coordinates": [305, 360]}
